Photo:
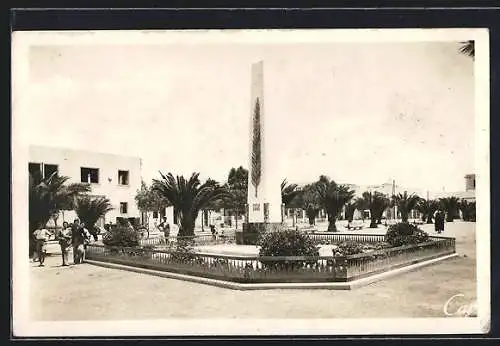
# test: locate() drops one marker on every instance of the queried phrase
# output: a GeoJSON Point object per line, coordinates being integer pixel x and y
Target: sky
{"type": "Point", "coordinates": [361, 113]}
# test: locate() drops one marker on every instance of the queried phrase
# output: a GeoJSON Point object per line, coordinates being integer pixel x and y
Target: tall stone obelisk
{"type": "Point", "coordinates": [264, 194]}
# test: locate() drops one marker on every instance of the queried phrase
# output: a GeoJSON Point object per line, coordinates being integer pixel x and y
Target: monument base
{"type": "Point", "coordinates": [251, 231]}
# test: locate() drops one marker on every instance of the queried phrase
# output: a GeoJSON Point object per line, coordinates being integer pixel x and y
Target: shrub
{"type": "Point", "coordinates": [348, 247]}
{"type": "Point", "coordinates": [121, 236]}
{"type": "Point", "coordinates": [286, 243]}
{"type": "Point", "coordinates": [405, 234]}
{"type": "Point", "coordinates": [182, 252]}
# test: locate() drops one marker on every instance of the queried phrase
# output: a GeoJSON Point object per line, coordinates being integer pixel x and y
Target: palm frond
{"type": "Point", "coordinates": [468, 48]}
{"type": "Point", "coordinates": [90, 209]}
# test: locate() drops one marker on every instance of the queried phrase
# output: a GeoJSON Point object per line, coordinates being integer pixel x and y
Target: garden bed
{"type": "Point", "coordinates": [274, 269]}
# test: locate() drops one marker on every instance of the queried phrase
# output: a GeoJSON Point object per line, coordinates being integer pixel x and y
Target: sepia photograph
{"type": "Point", "coordinates": [250, 182]}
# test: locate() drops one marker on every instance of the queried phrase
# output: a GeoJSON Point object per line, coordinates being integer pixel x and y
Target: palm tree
{"type": "Point", "coordinates": [91, 209]}
{"type": "Point", "coordinates": [361, 206]}
{"type": "Point", "coordinates": [382, 204]}
{"type": "Point", "coordinates": [427, 208]}
{"type": "Point", "coordinates": [450, 205]}
{"type": "Point", "coordinates": [188, 197]}
{"type": "Point", "coordinates": [332, 197]}
{"type": "Point", "coordinates": [308, 199]}
{"type": "Point", "coordinates": [289, 193]}
{"type": "Point", "coordinates": [405, 203]}
{"type": "Point", "coordinates": [468, 210]}
{"type": "Point", "coordinates": [48, 197]}
{"type": "Point", "coordinates": [468, 48]}
{"type": "Point", "coordinates": [377, 203]}
{"type": "Point", "coordinates": [350, 208]}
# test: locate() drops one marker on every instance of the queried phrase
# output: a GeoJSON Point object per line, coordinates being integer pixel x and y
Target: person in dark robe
{"type": "Point", "coordinates": [441, 222]}
{"type": "Point", "coordinates": [436, 221]}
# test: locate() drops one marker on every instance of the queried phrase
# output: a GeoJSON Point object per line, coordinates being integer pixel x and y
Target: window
{"type": "Point", "coordinates": [35, 171]}
{"type": "Point", "coordinates": [123, 177]}
{"type": "Point", "coordinates": [89, 175]}
{"type": "Point", "coordinates": [39, 171]}
{"type": "Point", "coordinates": [49, 169]}
{"type": "Point", "coordinates": [155, 214]}
{"type": "Point", "coordinates": [123, 207]}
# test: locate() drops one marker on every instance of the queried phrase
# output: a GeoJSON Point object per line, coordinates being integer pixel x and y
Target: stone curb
{"type": "Point", "coordinates": [262, 286]}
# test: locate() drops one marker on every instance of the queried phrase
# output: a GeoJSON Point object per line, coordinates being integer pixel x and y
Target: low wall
{"type": "Point", "coordinates": [290, 269]}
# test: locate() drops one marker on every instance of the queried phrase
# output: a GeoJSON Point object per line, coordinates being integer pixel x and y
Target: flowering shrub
{"type": "Point", "coordinates": [405, 234]}
{"type": "Point", "coordinates": [352, 247]}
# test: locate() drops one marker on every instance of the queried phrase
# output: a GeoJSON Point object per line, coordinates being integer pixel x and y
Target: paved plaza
{"type": "Point", "coordinates": [88, 292]}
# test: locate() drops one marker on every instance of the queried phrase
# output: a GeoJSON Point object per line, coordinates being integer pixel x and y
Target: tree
{"type": "Point", "coordinates": [215, 204]}
{"type": "Point", "coordinates": [289, 194]}
{"type": "Point", "coordinates": [450, 206]}
{"type": "Point", "coordinates": [48, 197]}
{"type": "Point", "coordinates": [90, 209]}
{"type": "Point", "coordinates": [236, 197]}
{"type": "Point", "coordinates": [468, 48]}
{"type": "Point", "coordinates": [377, 203]}
{"type": "Point", "coordinates": [188, 197]}
{"type": "Point", "coordinates": [427, 208]}
{"type": "Point", "coordinates": [71, 194]}
{"type": "Point", "coordinates": [332, 197]}
{"type": "Point", "coordinates": [350, 208]}
{"type": "Point", "coordinates": [384, 204]}
{"type": "Point", "coordinates": [308, 199]}
{"type": "Point", "coordinates": [468, 210]}
{"type": "Point", "coordinates": [238, 178]}
{"type": "Point", "coordinates": [361, 205]}
{"type": "Point", "coordinates": [149, 200]}
{"type": "Point", "coordinates": [405, 203]}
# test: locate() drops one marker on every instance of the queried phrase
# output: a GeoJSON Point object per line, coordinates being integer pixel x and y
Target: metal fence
{"type": "Point", "coordinates": [333, 238]}
{"type": "Point", "coordinates": [196, 240]}
{"type": "Point", "coordinates": [255, 269]}
{"type": "Point", "coordinates": [318, 238]}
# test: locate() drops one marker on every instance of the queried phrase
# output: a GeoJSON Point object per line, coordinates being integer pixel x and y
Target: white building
{"type": "Point", "coordinates": [116, 177]}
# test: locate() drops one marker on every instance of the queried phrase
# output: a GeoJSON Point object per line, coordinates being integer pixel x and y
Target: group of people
{"type": "Point", "coordinates": [74, 235]}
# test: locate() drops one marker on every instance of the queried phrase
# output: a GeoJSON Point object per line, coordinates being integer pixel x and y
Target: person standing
{"type": "Point", "coordinates": [41, 235]}
{"type": "Point", "coordinates": [64, 239]}
{"type": "Point", "coordinates": [77, 240]}
{"type": "Point", "coordinates": [86, 240]}
{"type": "Point", "coordinates": [441, 221]}
{"type": "Point", "coordinates": [438, 221]}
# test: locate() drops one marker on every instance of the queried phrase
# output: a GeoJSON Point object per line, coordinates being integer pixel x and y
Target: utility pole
{"type": "Point", "coordinates": [393, 194]}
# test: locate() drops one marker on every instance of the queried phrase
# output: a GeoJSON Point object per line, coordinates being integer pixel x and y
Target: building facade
{"type": "Point", "coordinates": [116, 177]}
{"type": "Point", "coordinates": [468, 194]}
